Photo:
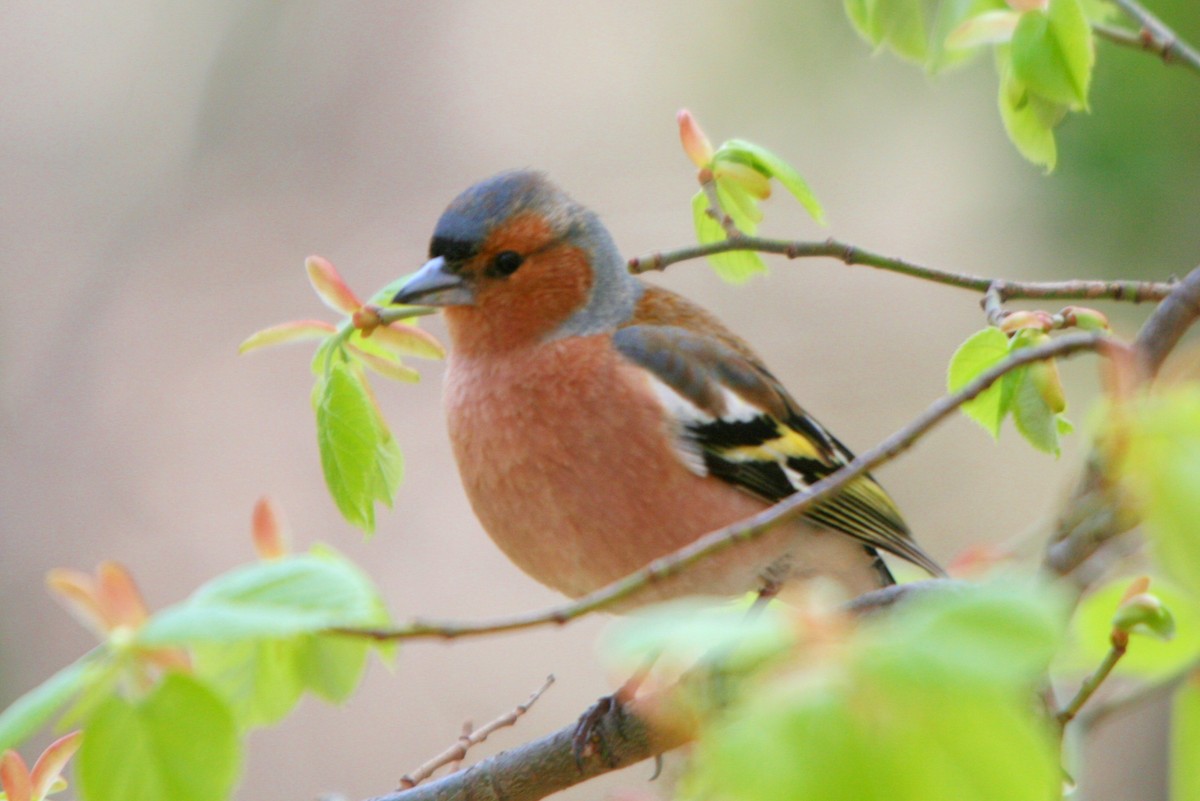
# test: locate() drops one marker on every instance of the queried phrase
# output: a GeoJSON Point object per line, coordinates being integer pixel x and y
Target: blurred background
{"type": "Point", "coordinates": [166, 167]}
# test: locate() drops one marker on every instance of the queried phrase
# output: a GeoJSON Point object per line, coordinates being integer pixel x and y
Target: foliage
{"type": "Point", "coordinates": [938, 695]}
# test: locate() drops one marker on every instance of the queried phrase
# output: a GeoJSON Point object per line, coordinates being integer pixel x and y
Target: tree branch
{"type": "Point", "coordinates": [1154, 36]}
{"type": "Point", "coordinates": [535, 770]}
{"type": "Point", "coordinates": [727, 537]}
{"type": "Point", "coordinates": [1135, 291]}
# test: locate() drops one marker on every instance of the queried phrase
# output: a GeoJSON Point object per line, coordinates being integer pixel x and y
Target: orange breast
{"type": "Point", "coordinates": [568, 461]}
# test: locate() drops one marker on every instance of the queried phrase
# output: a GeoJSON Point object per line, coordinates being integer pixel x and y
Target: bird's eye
{"type": "Point", "coordinates": [506, 263]}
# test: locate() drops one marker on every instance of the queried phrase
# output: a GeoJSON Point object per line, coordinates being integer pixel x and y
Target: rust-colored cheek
{"type": "Point", "coordinates": [522, 309]}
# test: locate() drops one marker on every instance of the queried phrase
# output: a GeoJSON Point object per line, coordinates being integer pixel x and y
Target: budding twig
{"type": "Point", "coordinates": [458, 751]}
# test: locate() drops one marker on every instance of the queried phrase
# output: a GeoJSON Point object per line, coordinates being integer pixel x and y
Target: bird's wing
{"type": "Point", "coordinates": [735, 422]}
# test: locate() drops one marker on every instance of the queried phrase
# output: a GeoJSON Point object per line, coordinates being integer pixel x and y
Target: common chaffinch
{"type": "Point", "coordinates": [600, 422]}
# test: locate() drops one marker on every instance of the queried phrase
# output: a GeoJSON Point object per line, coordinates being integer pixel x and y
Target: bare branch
{"type": "Point", "coordinates": [730, 536]}
{"type": "Point", "coordinates": [1135, 291]}
{"type": "Point", "coordinates": [1154, 36]}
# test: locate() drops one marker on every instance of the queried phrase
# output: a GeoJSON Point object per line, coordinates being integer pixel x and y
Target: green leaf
{"type": "Point", "coordinates": [773, 166]}
{"type": "Point", "coordinates": [932, 703]}
{"type": "Point", "coordinates": [300, 594]}
{"type": "Point", "coordinates": [739, 205]}
{"type": "Point", "coordinates": [735, 266]}
{"type": "Point", "coordinates": [1185, 742]}
{"type": "Point", "coordinates": [258, 679]}
{"type": "Point", "coordinates": [1029, 120]}
{"type": "Point", "coordinates": [178, 742]}
{"type": "Point", "coordinates": [1162, 465]}
{"type": "Point", "coordinates": [982, 350]}
{"type": "Point", "coordinates": [31, 711]}
{"type": "Point", "coordinates": [680, 633]}
{"type": "Point", "coordinates": [1002, 634]}
{"type": "Point", "coordinates": [360, 458]}
{"type": "Point", "coordinates": [896, 24]}
{"type": "Point", "coordinates": [1148, 658]}
{"type": "Point", "coordinates": [917, 29]}
{"type": "Point", "coordinates": [1053, 53]}
{"type": "Point", "coordinates": [1036, 422]}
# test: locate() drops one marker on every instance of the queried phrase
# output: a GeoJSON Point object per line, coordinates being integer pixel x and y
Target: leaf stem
{"type": "Point", "coordinates": [1134, 291]}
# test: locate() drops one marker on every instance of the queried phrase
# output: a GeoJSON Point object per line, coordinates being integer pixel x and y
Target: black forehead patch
{"type": "Point", "coordinates": [452, 250]}
{"type": "Point", "coordinates": [473, 214]}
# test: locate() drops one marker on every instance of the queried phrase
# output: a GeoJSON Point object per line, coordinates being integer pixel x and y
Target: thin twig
{"type": "Point", "coordinates": [458, 751]}
{"type": "Point", "coordinates": [753, 527]}
{"type": "Point", "coordinates": [1157, 37]}
{"type": "Point", "coordinates": [1135, 291]}
{"type": "Point", "coordinates": [1120, 643]}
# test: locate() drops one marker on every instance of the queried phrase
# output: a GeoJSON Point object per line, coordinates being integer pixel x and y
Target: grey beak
{"type": "Point", "coordinates": [435, 285]}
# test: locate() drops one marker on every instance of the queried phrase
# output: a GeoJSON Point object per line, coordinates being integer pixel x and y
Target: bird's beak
{"type": "Point", "coordinates": [435, 285]}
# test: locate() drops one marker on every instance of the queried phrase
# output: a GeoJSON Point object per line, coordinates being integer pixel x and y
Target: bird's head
{"type": "Point", "coordinates": [516, 261]}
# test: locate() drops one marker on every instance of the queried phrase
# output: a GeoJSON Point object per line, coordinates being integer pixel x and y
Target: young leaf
{"type": "Point", "coordinates": [1053, 53]}
{"type": "Point", "coordinates": [1185, 742]}
{"type": "Point", "coordinates": [982, 350]}
{"type": "Point", "coordinates": [1148, 658]}
{"type": "Point", "coordinates": [897, 24]}
{"type": "Point", "coordinates": [177, 742]}
{"type": "Point", "coordinates": [1033, 418]}
{"type": "Point", "coordinates": [772, 166]}
{"type": "Point", "coordinates": [300, 594]}
{"type": "Point", "coordinates": [1029, 120]}
{"type": "Point", "coordinates": [735, 266]}
{"type": "Point", "coordinates": [360, 458]}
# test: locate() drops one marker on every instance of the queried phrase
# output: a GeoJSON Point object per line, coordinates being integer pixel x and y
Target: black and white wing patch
{"type": "Point", "coordinates": [735, 422]}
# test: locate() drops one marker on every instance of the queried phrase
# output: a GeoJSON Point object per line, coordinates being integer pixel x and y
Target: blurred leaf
{"type": "Point", "coordinates": [918, 29]}
{"type": "Point", "coordinates": [991, 27]}
{"type": "Point", "coordinates": [360, 458]}
{"type": "Point", "coordinates": [33, 710]}
{"type": "Point", "coordinates": [299, 594]}
{"type": "Point", "coordinates": [735, 266]}
{"type": "Point", "coordinates": [982, 350]}
{"type": "Point", "coordinates": [178, 742]}
{"type": "Point", "coordinates": [741, 206]}
{"type": "Point", "coordinates": [1185, 742]}
{"type": "Point", "coordinates": [931, 703]}
{"type": "Point", "coordinates": [1000, 634]}
{"type": "Point", "coordinates": [1053, 53]}
{"type": "Point", "coordinates": [257, 678]}
{"type": "Point", "coordinates": [683, 632]}
{"type": "Point", "coordinates": [238, 626]}
{"type": "Point", "coordinates": [1148, 658]}
{"type": "Point", "coordinates": [896, 24]}
{"type": "Point", "coordinates": [1162, 464]}
{"type": "Point", "coordinates": [1028, 119]}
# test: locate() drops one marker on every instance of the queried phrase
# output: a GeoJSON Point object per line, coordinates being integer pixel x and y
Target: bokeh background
{"type": "Point", "coordinates": [166, 167]}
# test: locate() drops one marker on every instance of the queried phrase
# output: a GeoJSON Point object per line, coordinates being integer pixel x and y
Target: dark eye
{"type": "Point", "coordinates": [506, 263]}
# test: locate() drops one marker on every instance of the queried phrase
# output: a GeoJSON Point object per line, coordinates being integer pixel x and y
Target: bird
{"type": "Point", "coordinates": [600, 421]}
